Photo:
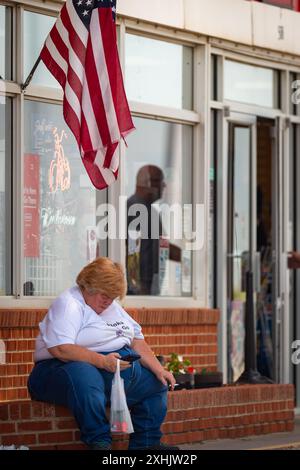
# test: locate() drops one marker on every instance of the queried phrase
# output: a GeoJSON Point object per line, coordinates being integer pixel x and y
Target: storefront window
{"type": "Point", "coordinates": [152, 65]}
{"type": "Point", "coordinates": [295, 93]}
{"type": "Point", "coordinates": [250, 84]}
{"type": "Point", "coordinates": [59, 204]}
{"type": "Point", "coordinates": [36, 29]}
{"type": "Point", "coordinates": [212, 227]}
{"type": "Point", "coordinates": [158, 179]}
{"type": "Point", "coordinates": [5, 42]}
{"type": "Point", "coordinates": [5, 196]}
{"type": "Point", "coordinates": [215, 77]}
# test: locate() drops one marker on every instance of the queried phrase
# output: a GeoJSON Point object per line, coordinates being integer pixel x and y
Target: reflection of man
{"type": "Point", "coordinates": [149, 188]}
{"type": "Point", "coordinates": [262, 238]}
{"type": "Point", "coordinates": [28, 288]}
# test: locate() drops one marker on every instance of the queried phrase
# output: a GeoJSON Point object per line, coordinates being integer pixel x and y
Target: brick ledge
{"type": "Point", "coordinates": [29, 318]}
{"type": "Point", "coordinates": [193, 416]}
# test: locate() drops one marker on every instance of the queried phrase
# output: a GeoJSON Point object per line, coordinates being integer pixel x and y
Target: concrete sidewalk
{"type": "Point", "coordinates": [264, 442]}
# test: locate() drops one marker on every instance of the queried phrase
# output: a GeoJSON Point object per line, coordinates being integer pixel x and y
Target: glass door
{"type": "Point", "coordinates": [241, 233]}
{"type": "Point", "coordinates": [294, 245]}
{"type": "Point", "coordinates": [255, 243]}
{"type": "Point", "coordinates": [269, 227]}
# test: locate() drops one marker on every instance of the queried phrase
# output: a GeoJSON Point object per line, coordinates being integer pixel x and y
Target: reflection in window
{"type": "Point", "coordinates": [5, 42]}
{"type": "Point", "coordinates": [36, 29]}
{"type": "Point", "coordinates": [215, 76]}
{"type": "Point", "coordinates": [158, 171]}
{"type": "Point", "coordinates": [241, 206]}
{"type": "Point", "coordinates": [250, 84]}
{"type": "Point", "coordinates": [59, 204]}
{"type": "Point", "coordinates": [295, 93]}
{"type": "Point", "coordinates": [5, 196]}
{"type": "Point", "coordinates": [159, 72]}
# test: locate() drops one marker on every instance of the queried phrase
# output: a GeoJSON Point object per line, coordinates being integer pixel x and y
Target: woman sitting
{"type": "Point", "coordinates": [81, 338]}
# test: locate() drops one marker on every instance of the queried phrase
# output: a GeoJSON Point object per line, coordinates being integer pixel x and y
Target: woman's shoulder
{"type": "Point", "coordinates": [69, 299]}
{"type": "Point", "coordinates": [120, 310]}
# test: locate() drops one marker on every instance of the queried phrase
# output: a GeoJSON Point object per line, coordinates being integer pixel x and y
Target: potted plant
{"type": "Point", "coordinates": [182, 370]}
{"type": "Point", "coordinates": [207, 379]}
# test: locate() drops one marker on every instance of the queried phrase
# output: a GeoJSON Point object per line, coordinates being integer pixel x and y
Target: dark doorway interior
{"type": "Point", "coordinates": [265, 170]}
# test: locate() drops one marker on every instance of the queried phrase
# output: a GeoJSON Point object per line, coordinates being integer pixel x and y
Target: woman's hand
{"type": "Point", "coordinates": [110, 362]}
{"type": "Point", "coordinates": [166, 378]}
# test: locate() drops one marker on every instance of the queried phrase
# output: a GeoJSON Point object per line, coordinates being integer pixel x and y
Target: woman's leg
{"type": "Point", "coordinates": [78, 386]}
{"type": "Point", "coordinates": [147, 399]}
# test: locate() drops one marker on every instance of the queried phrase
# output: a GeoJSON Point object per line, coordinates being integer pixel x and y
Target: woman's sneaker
{"type": "Point", "coordinates": [160, 446]}
{"type": "Point", "coordinates": [100, 446]}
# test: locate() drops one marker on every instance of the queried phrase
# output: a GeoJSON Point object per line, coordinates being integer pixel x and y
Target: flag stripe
{"type": "Point", "coordinates": [115, 73]}
{"type": "Point", "coordinates": [103, 77]}
{"type": "Point", "coordinates": [59, 43]}
{"type": "Point", "coordinates": [77, 25]}
{"type": "Point", "coordinates": [74, 36]}
{"type": "Point", "coordinates": [58, 58]}
{"type": "Point", "coordinates": [91, 120]}
{"type": "Point", "coordinates": [114, 164]}
{"type": "Point", "coordinates": [95, 94]}
{"type": "Point", "coordinates": [81, 52]}
{"type": "Point", "coordinates": [71, 85]}
{"type": "Point", "coordinates": [76, 70]}
{"type": "Point", "coordinates": [72, 120]}
{"type": "Point", "coordinates": [53, 66]}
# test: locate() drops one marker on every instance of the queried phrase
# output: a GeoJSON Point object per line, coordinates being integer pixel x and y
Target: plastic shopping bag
{"type": "Point", "coordinates": [120, 419]}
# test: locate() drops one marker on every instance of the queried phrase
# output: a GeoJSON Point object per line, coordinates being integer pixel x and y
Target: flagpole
{"type": "Point", "coordinates": [29, 78]}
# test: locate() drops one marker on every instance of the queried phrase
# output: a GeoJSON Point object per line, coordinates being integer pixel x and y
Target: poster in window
{"type": "Point", "coordinates": [31, 206]}
{"type": "Point", "coordinates": [164, 255]}
{"type": "Point", "coordinates": [91, 244]}
{"type": "Point", "coordinates": [133, 262]}
{"type": "Point", "coordinates": [186, 280]}
{"type": "Point", "coordinates": [237, 322]}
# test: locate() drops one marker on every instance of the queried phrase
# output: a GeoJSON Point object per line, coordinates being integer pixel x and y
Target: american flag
{"type": "Point", "coordinates": [81, 52]}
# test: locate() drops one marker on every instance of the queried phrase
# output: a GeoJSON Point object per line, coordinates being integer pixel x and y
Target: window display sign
{"type": "Point", "coordinates": [133, 261]}
{"type": "Point", "coordinates": [186, 280]}
{"type": "Point", "coordinates": [59, 171]}
{"type": "Point", "coordinates": [164, 255]}
{"type": "Point", "coordinates": [66, 209]}
{"type": "Point", "coordinates": [237, 322]}
{"type": "Point", "coordinates": [91, 244]}
{"type": "Point", "coordinates": [31, 206]}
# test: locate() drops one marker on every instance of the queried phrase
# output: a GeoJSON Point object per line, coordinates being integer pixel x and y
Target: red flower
{"type": "Point", "coordinates": [190, 370]}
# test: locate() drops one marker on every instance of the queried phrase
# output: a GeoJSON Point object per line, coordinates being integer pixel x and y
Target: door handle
{"type": "Point", "coordinates": [257, 274]}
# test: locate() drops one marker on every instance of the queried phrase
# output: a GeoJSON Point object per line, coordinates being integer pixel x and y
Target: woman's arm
{"type": "Point", "coordinates": [73, 352]}
{"type": "Point", "coordinates": [149, 361]}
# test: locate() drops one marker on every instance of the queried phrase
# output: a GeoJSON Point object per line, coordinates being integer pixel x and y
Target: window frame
{"type": "Point", "coordinates": [9, 204]}
{"type": "Point", "coordinates": [117, 248]}
{"type": "Point", "coordinates": [199, 118]}
{"type": "Point", "coordinates": [276, 83]}
{"type": "Point", "coordinates": [170, 110]}
{"type": "Point", "coordinates": [12, 39]}
{"type": "Point", "coordinates": [285, 66]}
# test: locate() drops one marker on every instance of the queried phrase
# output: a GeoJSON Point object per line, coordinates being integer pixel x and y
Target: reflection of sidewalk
{"type": "Point", "coordinates": [264, 442]}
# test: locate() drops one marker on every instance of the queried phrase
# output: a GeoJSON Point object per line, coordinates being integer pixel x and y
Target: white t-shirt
{"type": "Point", "coordinates": [71, 321]}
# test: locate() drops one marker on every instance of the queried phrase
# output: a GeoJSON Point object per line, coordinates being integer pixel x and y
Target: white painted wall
{"type": "Point", "coordinates": [227, 19]}
{"type": "Point", "coordinates": [266, 23]}
{"type": "Point", "coordinates": [242, 21]}
{"type": "Point", "coordinates": [167, 12]}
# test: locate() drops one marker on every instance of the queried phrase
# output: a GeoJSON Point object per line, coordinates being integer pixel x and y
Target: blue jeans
{"type": "Point", "coordinates": [85, 390]}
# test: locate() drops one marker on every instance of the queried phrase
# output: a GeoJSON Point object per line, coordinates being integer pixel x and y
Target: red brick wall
{"type": "Point", "coordinates": [193, 416]}
{"type": "Point", "coordinates": [190, 332]}
{"type": "Point", "coordinates": [292, 4]}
